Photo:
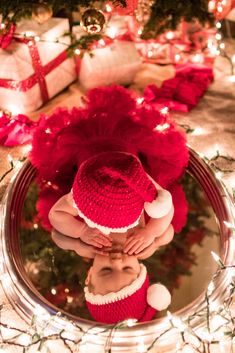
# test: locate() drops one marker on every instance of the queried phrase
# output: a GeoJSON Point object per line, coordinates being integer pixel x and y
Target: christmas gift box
{"type": "Point", "coordinates": [109, 61]}
{"type": "Point", "coordinates": [117, 62]}
{"type": "Point", "coordinates": [34, 67]}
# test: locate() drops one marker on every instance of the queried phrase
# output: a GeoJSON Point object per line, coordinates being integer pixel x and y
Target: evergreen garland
{"type": "Point", "coordinates": [164, 14]}
{"type": "Point", "coordinates": [167, 15]}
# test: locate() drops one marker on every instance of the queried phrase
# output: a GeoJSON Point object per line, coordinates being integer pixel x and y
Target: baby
{"type": "Point", "coordinates": [110, 193]}
{"type": "Point", "coordinates": [117, 285]}
{"type": "Point", "coordinates": [103, 218]}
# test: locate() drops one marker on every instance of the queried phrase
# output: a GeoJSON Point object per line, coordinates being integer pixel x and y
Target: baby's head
{"type": "Point", "coordinates": [111, 190]}
{"type": "Point", "coordinates": [117, 289]}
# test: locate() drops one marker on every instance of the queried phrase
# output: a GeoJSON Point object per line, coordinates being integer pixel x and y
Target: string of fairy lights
{"type": "Point", "coordinates": [218, 326]}
{"type": "Point", "coordinates": [218, 321]}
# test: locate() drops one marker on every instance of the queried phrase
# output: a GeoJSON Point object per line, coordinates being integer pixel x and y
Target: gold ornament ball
{"type": "Point", "coordinates": [92, 21]}
{"type": "Point", "coordinates": [42, 13]}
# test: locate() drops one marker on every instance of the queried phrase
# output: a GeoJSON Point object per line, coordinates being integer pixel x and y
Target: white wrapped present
{"type": "Point", "coordinates": [35, 66]}
{"type": "Point", "coordinates": [117, 62]}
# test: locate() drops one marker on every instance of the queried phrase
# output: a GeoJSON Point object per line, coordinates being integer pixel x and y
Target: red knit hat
{"type": "Point", "coordinates": [137, 301]}
{"type": "Point", "coordinates": [111, 190]}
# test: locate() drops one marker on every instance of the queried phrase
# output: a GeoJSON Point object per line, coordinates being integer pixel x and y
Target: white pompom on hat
{"type": "Point", "coordinates": [158, 296]}
{"type": "Point", "coordinates": [161, 206]}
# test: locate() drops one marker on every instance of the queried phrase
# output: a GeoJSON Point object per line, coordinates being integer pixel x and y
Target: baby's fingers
{"type": "Point", "coordinates": [134, 248]}
{"type": "Point", "coordinates": [103, 240]}
{"type": "Point", "coordinates": [130, 243]}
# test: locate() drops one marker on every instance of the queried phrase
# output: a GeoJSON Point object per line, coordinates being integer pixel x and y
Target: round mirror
{"type": "Point", "coordinates": [42, 273]}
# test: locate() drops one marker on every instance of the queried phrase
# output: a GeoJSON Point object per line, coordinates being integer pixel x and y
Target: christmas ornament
{"type": "Point", "coordinates": [93, 21]}
{"type": "Point", "coordinates": [42, 13]}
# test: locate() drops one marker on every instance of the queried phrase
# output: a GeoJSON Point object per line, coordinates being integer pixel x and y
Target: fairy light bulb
{"type": "Point", "coordinates": [112, 31]}
{"type": "Point", "coordinates": [131, 322]}
{"type": "Point", "coordinates": [217, 259]}
{"type": "Point", "coordinates": [170, 35]}
{"type": "Point", "coordinates": [108, 8]}
{"type": "Point", "coordinates": [177, 57]}
{"type": "Point", "coordinates": [77, 51]}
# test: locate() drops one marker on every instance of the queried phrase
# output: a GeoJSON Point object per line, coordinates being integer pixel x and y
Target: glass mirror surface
{"type": "Point", "coordinates": [184, 266]}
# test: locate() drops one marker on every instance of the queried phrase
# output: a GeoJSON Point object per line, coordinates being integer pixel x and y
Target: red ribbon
{"type": "Point", "coordinates": [39, 74]}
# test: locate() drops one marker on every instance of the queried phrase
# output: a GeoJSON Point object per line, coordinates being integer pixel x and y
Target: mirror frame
{"type": "Point", "coordinates": [25, 298]}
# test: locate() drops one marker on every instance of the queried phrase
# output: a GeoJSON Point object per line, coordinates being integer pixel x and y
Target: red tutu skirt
{"type": "Point", "coordinates": [110, 120]}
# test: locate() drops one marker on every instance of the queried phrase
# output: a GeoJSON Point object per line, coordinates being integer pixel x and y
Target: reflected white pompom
{"type": "Point", "coordinates": [158, 296]}
{"type": "Point", "coordinates": [161, 206]}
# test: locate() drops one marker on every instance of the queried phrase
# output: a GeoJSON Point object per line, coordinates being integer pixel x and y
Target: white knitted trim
{"type": "Point", "coordinates": [103, 229]}
{"type": "Point", "coordinates": [123, 293]}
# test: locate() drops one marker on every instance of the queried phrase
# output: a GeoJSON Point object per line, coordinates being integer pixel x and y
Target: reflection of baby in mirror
{"type": "Point", "coordinates": [117, 284]}
{"type": "Point", "coordinates": [110, 193]}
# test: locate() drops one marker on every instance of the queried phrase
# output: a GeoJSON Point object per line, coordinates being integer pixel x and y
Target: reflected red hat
{"type": "Point", "coordinates": [111, 190]}
{"type": "Point", "coordinates": [138, 301]}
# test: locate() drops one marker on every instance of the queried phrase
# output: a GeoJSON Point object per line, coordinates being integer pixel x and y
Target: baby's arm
{"type": "Point", "coordinates": [141, 238]}
{"type": "Point", "coordinates": [62, 217]}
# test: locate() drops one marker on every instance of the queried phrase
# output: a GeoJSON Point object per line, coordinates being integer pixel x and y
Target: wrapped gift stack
{"type": "Point", "coordinates": [34, 65]}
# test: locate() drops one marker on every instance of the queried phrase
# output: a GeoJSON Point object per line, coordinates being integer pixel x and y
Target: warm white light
{"type": "Point", "coordinates": [198, 58]}
{"type": "Point", "coordinates": [139, 100]}
{"type": "Point", "coordinates": [232, 78]}
{"type": "Point", "coordinates": [220, 8]}
{"type": "Point", "coordinates": [222, 45]}
{"type": "Point", "coordinates": [26, 149]}
{"type": "Point", "coordinates": [24, 339]}
{"type": "Point", "coordinates": [10, 159]}
{"type": "Point", "coordinates": [108, 8]}
{"type": "Point", "coordinates": [139, 32]}
{"type": "Point", "coordinates": [35, 226]}
{"type": "Point", "coordinates": [14, 109]}
{"type": "Point", "coordinates": [41, 312]}
{"type": "Point", "coordinates": [29, 34]}
{"type": "Point", "coordinates": [218, 36]}
{"type": "Point", "coordinates": [177, 57]}
{"type": "Point", "coordinates": [170, 35]}
{"type": "Point", "coordinates": [112, 32]}
{"type": "Point", "coordinates": [53, 291]}
{"type": "Point", "coordinates": [215, 257]}
{"type": "Point", "coordinates": [218, 25]}
{"type": "Point", "coordinates": [162, 127]}
{"type": "Point", "coordinates": [102, 42]}
{"type": "Point", "coordinates": [77, 51]}
{"type": "Point", "coordinates": [2, 25]}
{"type": "Point", "coordinates": [210, 288]}
{"type": "Point", "coordinates": [169, 315]}
{"type": "Point", "coordinates": [198, 131]}
{"type": "Point", "coordinates": [131, 322]}
{"type": "Point", "coordinates": [37, 38]}
{"type": "Point", "coordinates": [229, 225]}
{"type": "Point", "coordinates": [211, 6]}
{"type": "Point", "coordinates": [69, 299]}
{"type": "Point", "coordinates": [164, 110]}
{"type": "Point", "coordinates": [48, 131]}
{"type": "Point", "coordinates": [150, 53]}
{"type": "Point", "coordinates": [233, 58]}
{"type": "Point", "coordinates": [218, 174]}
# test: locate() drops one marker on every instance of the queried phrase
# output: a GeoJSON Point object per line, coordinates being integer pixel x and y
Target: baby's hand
{"type": "Point", "coordinates": [93, 236]}
{"type": "Point", "coordinates": [138, 241]}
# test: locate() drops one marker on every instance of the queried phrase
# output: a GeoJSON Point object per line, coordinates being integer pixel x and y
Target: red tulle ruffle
{"type": "Point", "coordinates": [111, 120]}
